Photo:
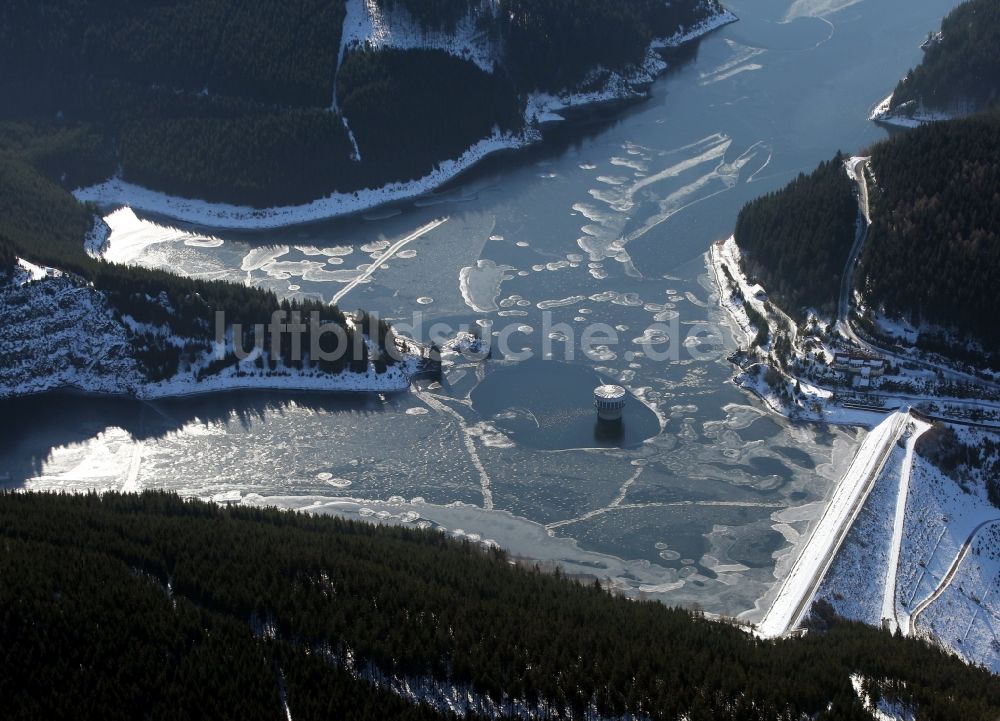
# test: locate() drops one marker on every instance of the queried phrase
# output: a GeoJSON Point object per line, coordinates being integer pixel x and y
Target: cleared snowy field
{"type": "Point", "coordinates": [926, 562]}
{"type": "Point", "coordinates": [940, 515]}
{"type": "Point", "coordinates": [966, 616]}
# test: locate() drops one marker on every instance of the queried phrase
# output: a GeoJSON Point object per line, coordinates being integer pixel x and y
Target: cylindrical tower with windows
{"type": "Point", "coordinates": [610, 402]}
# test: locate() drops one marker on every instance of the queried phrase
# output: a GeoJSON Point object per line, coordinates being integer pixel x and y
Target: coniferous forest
{"type": "Point", "coordinates": [234, 101]}
{"type": "Point", "coordinates": [796, 240]}
{"type": "Point", "coordinates": [121, 606]}
{"type": "Point", "coordinates": [42, 223]}
{"type": "Point", "coordinates": [933, 255]}
{"type": "Point", "coordinates": [933, 250]}
{"type": "Point", "coordinates": [960, 70]}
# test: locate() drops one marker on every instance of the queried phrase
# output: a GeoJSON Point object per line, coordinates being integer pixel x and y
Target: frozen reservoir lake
{"type": "Point", "coordinates": [704, 494]}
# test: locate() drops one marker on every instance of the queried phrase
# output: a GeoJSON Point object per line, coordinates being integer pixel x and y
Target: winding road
{"type": "Point", "coordinates": [856, 167]}
{"type": "Point", "coordinates": [950, 575]}
{"type": "Point", "coordinates": [847, 277]}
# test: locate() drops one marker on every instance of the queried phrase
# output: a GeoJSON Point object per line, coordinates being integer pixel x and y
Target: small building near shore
{"type": "Point", "coordinates": [859, 367]}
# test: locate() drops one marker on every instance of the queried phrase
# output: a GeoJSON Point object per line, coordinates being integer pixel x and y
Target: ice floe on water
{"type": "Point", "coordinates": [816, 8]}
{"type": "Point", "coordinates": [129, 236]}
{"type": "Point", "coordinates": [203, 242]}
{"type": "Point", "coordinates": [738, 63]}
{"type": "Point", "coordinates": [375, 246]}
{"type": "Point", "coordinates": [480, 284]}
{"type": "Point", "coordinates": [490, 436]}
{"type": "Point", "coordinates": [616, 298]}
{"type": "Point", "coordinates": [257, 258]}
{"type": "Point", "coordinates": [601, 353]}
{"type": "Point", "coordinates": [319, 275]}
{"type": "Point", "coordinates": [629, 163]}
{"type": "Point", "coordinates": [310, 250]}
{"type": "Point", "coordinates": [560, 303]}
{"type": "Point", "coordinates": [702, 169]}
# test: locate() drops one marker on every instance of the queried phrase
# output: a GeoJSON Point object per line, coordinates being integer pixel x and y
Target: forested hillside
{"type": "Point", "coordinates": [446, 103]}
{"type": "Point", "coordinates": [934, 251]}
{"type": "Point", "coordinates": [42, 223]}
{"type": "Point", "coordinates": [442, 14]}
{"type": "Point", "coordinates": [796, 240]}
{"type": "Point", "coordinates": [960, 71]}
{"type": "Point", "coordinates": [278, 53]}
{"type": "Point", "coordinates": [554, 44]}
{"type": "Point", "coordinates": [231, 100]}
{"type": "Point", "coordinates": [119, 604]}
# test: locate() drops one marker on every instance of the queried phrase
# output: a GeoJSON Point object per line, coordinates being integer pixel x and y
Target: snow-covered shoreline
{"type": "Point", "coordinates": [795, 394]}
{"type": "Point", "coordinates": [62, 334]}
{"type": "Point", "coordinates": [181, 387]}
{"type": "Point", "coordinates": [725, 255]}
{"type": "Point", "coordinates": [243, 217]}
{"type": "Point", "coordinates": [546, 108]}
{"type": "Point", "coordinates": [882, 114]}
{"type": "Point", "coordinates": [541, 108]}
{"type": "Point", "coordinates": [392, 381]}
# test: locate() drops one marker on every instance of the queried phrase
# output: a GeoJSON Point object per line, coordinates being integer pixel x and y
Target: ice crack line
{"type": "Point", "coordinates": [625, 486]}
{"type": "Point", "coordinates": [470, 446]}
{"type": "Point", "coordinates": [666, 504]}
{"type": "Point", "coordinates": [391, 251]}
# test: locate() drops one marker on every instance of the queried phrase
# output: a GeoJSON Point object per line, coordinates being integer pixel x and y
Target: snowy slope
{"type": "Point", "coordinates": [367, 24]}
{"type": "Point", "coordinates": [62, 333]}
{"type": "Point", "coordinates": [966, 616]}
{"type": "Point", "coordinates": [940, 515]}
{"type": "Point", "coordinates": [928, 561]}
